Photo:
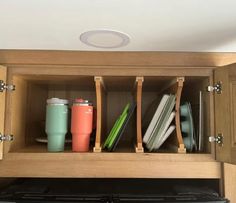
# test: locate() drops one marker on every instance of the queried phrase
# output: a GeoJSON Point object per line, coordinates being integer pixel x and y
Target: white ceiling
{"type": "Point", "coordinates": [153, 25]}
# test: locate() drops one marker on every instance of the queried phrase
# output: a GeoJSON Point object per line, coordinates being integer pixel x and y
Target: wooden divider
{"type": "Point", "coordinates": [139, 84]}
{"type": "Point", "coordinates": [176, 87]}
{"type": "Point", "coordinates": [181, 147]}
{"type": "Point", "coordinates": [100, 92]}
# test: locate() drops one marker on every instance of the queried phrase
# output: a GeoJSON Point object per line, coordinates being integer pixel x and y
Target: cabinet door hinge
{"type": "Point", "coordinates": [216, 88]}
{"type": "Point", "coordinates": [5, 137]}
{"type": "Point", "coordinates": [219, 139]}
{"type": "Point", "coordinates": [4, 86]}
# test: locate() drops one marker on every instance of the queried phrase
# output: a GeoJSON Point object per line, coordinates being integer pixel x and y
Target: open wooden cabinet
{"type": "Point", "coordinates": [23, 101]}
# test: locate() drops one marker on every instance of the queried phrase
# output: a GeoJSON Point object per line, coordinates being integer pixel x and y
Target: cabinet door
{"type": "Point", "coordinates": [2, 108]}
{"type": "Point", "coordinates": [225, 113]}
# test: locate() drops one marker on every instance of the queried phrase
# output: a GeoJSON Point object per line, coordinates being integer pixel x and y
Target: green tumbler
{"type": "Point", "coordinates": [56, 123]}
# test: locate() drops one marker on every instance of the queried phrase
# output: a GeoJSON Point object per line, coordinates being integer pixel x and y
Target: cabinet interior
{"type": "Point", "coordinates": [191, 93]}
{"type": "Point", "coordinates": [118, 92]}
{"type": "Point", "coordinates": [155, 87]}
{"type": "Point", "coordinates": [27, 105]}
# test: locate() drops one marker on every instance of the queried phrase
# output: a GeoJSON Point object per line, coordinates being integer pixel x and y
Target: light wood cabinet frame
{"type": "Point", "coordinates": [135, 165]}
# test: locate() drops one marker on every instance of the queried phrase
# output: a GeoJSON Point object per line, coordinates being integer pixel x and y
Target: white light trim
{"type": "Point", "coordinates": [105, 38]}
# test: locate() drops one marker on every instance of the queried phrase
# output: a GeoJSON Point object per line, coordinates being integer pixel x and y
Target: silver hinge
{"type": "Point", "coordinates": [6, 137]}
{"type": "Point", "coordinates": [216, 88]}
{"type": "Point", "coordinates": [217, 139]}
{"type": "Point", "coordinates": [4, 86]}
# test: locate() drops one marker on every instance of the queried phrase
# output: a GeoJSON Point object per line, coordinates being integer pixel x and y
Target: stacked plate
{"type": "Point", "coordinates": [160, 126]}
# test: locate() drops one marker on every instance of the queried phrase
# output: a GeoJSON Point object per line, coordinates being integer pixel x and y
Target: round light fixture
{"type": "Point", "coordinates": [105, 38]}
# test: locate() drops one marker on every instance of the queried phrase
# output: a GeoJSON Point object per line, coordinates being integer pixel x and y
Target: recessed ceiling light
{"type": "Point", "coordinates": [105, 38]}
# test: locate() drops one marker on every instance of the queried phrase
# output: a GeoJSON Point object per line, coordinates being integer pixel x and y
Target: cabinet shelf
{"type": "Point", "coordinates": [107, 165]}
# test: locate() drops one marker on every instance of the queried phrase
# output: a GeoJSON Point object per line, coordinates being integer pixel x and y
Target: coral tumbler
{"type": "Point", "coordinates": [81, 125]}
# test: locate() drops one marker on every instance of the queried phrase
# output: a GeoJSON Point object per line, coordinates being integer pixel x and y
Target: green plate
{"type": "Point", "coordinates": [116, 128]}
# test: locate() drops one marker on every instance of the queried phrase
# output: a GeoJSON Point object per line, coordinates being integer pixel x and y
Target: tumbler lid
{"type": "Point", "coordinates": [82, 102]}
{"type": "Point", "coordinates": [57, 101]}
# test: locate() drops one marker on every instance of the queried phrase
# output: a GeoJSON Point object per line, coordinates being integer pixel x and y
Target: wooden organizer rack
{"type": "Point", "coordinates": [175, 87]}
{"type": "Point", "coordinates": [139, 84]}
{"type": "Point", "coordinates": [100, 91]}
{"type": "Point", "coordinates": [181, 147]}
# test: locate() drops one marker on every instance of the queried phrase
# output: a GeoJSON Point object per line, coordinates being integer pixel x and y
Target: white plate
{"type": "Point", "coordinates": [45, 140]}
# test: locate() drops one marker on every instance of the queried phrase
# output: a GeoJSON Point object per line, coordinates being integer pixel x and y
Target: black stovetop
{"type": "Point", "coordinates": [111, 191]}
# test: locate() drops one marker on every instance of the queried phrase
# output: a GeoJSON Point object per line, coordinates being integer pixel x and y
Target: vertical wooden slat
{"type": "Point", "coordinates": [180, 83]}
{"type": "Point", "coordinates": [139, 83]}
{"type": "Point", "coordinates": [99, 97]}
{"type": "Point", "coordinates": [175, 87]}
{"type": "Point", "coordinates": [2, 107]}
